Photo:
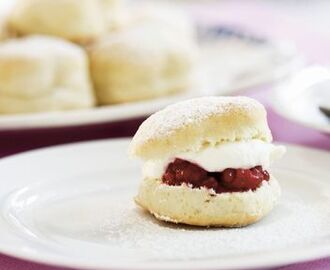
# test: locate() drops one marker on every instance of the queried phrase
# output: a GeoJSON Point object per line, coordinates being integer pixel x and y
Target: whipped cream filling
{"type": "Point", "coordinates": [236, 155]}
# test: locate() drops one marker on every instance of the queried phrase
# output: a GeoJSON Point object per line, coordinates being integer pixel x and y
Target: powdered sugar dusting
{"type": "Point", "coordinates": [132, 229]}
{"type": "Point", "coordinates": [181, 114]}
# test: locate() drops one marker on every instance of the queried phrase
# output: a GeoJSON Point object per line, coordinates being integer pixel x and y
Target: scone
{"type": "Point", "coordinates": [80, 21]}
{"type": "Point", "coordinates": [206, 162]}
{"type": "Point", "coordinates": [43, 74]}
{"type": "Point", "coordinates": [141, 62]}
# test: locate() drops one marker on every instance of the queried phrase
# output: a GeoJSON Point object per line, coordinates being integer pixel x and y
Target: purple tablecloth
{"type": "Point", "coordinates": [261, 18]}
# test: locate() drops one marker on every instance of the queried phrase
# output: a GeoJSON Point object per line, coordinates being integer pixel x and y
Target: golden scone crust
{"type": "Point", "coordinates": [141, 62]}
{"type": "Point", "coordinates": [193, 124]}
{"type": "Point", "coordinates": [77, 20]}
{"type": "Point", "coordinates": [200, 207]}
{"type": "Point", "coordinates": [41, 73]}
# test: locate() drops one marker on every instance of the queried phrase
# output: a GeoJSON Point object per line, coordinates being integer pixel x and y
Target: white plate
{"type": "Point", "coordinates": [299, 97]}
{"type": "Point", "coordinates": [72, 206]}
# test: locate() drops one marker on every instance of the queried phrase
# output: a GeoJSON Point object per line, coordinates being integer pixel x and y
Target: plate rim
{"type": "Point", "coordinates": [284, 256]}
{"type": "Point", "coordinates": [278, 106]}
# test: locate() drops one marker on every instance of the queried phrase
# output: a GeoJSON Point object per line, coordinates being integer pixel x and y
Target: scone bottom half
{"type": "Point", "coordinates": [206, 162]}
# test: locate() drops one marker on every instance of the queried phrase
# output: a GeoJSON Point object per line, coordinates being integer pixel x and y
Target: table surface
{"type": "Point", "coordinates": [273, 19]}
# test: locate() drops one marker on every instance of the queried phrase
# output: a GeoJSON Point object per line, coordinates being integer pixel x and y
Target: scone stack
{"type": "Point", "coordinates": [206, 162]}
{"type": "Point", "coordinates": [71, 54]}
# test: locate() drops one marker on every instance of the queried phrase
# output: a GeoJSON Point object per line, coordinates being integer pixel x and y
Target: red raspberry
{"type": "Point", "coordinates": [243, 179]}
{"type": "Point", "coordinates": [182, 171]}
{"type": "Point", "coordinates": [228, 176]}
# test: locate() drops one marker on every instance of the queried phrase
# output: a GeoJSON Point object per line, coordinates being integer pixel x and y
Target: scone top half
{"type": "Point", "coordinates": [206, 162]}
{"type": "Point", "coordinates": [197, 123]}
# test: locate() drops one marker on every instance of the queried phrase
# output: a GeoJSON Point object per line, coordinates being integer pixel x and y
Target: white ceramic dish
{"type": "Point", "coordinates": [72, 206]}
{"type": "Point", "coordinates": [299, 97]}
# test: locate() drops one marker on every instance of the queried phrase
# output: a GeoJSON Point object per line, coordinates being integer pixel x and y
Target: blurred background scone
{"type": "Point", "coordinates": [80, 21]}
{"type": "Point", "coordinates": [143, 61]}
{"type": "Point", "coordinates": [43, 74]}
{"type": "Point", "coordinates": [136, 51]}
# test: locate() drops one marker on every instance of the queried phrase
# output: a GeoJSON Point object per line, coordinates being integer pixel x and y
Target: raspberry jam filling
{"type": "Point", "coordinates": [230, 180]}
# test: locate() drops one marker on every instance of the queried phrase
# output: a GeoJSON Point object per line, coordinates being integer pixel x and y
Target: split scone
{"type": "Point", "coordinates": [141, 62]}
{"type": "Point", "coordinates": [206, 162]}
{"type": "Point", "coordinates": [43, 74]}
{"type": "Point", "coordinates": [80, 21]}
